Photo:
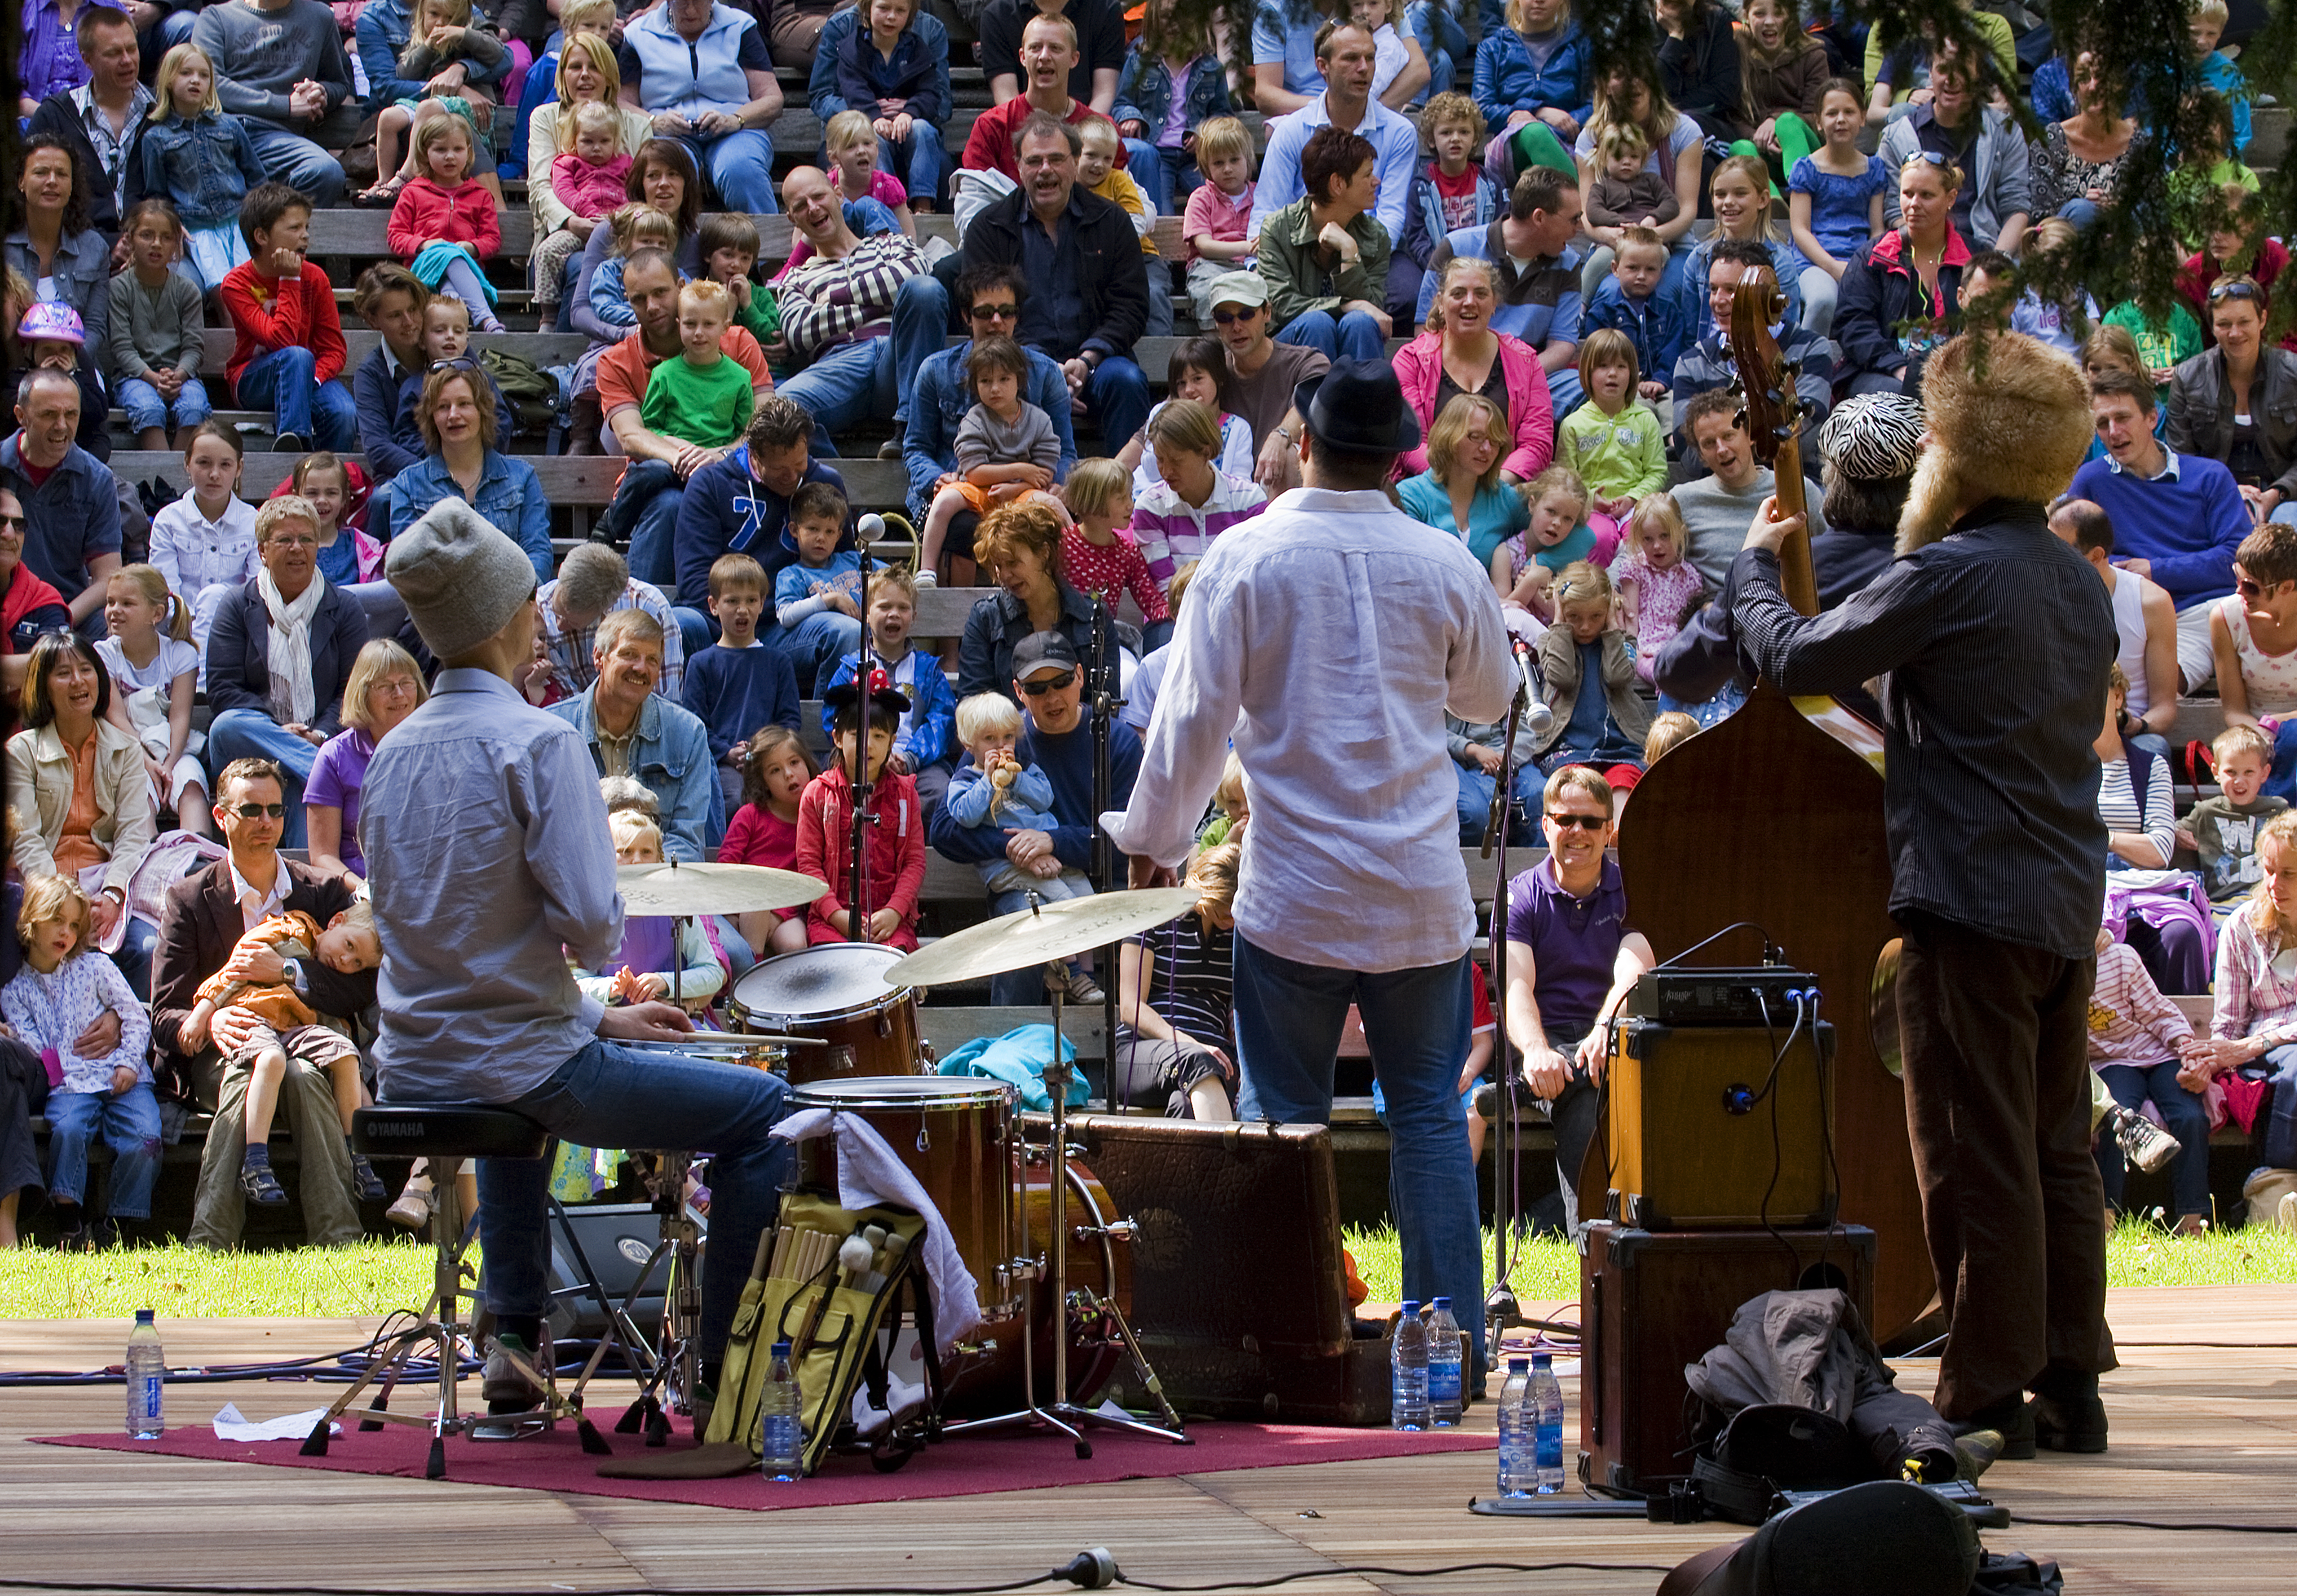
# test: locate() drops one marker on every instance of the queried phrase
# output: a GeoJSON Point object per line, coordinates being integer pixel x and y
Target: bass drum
{"type": "Point", "coordinates": [836, 993]}
{"type": "Point", "coordinates": [990, 1383]}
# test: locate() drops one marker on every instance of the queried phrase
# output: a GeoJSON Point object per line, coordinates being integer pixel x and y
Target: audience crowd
{"type": "Point", "coordinates": [1548, 258]}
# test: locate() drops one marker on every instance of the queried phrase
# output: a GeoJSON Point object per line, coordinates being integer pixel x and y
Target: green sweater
{"type": "Point", "coordinates": [707, 405]}
{"type": "Point", "coordinates": [1615, 455]}
{"type": "Point", "coordinates": [2161, 344]}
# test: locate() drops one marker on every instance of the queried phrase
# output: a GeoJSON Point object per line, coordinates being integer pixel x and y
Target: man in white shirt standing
{"type": "Point", "coordinates": [1335, 621]}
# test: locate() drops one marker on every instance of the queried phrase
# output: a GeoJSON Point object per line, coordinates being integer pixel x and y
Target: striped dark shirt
{"type": "Point", "coordinates": [1994, 642]}
{"type": "Point", "coordinates": [1192, 979]}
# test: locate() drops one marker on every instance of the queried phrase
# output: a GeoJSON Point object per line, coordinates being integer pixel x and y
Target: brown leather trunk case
{"type": "Point", "coordinates": [1239, 1292]}
{"type": "Point", "coordinates": [1652, 1303]}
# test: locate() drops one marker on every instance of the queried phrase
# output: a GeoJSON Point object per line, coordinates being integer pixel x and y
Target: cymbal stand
{"type": "Point", "coordinates": [1500, 1308]}
{"type": "Point", "coordinates": [1053, 1271]}
{"type": "Point", "coordinates": [677, 1370]}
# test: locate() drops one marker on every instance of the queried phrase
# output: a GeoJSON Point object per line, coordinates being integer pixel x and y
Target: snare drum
{"type": "Point", "coordinates": [837, 992]}
{"type": "Point", "coordinates": [952, 1134]}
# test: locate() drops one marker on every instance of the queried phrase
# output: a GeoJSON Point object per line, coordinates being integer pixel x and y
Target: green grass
{"type": "Point", "coordinates": [2137, 1254]}
{"type": "Point", "coordinates": [183, 1282]}
{"type": "Point", "coordinates": [377, 1277]}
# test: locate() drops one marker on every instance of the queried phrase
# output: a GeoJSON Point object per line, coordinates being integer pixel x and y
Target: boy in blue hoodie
{"type": "Point", "coordinates": [1629, 302]}
{"type": "Point", "coordinates": [925, 748]}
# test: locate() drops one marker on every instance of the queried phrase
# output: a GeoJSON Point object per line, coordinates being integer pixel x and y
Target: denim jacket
{"type": "Point", "coordinates": [1144, 93]}
{"type": "Point", "coordinates": [918, 73]}
{"type": "Point", "coordinates": [83, 274]}
{"type": "Point", "coordinates": [205, 166]}
{"type": "Point", "coordinates": [670, 757]}
{"type": "Point", "coordinates": [822, 91]}
{"type": "Point", "coordinates": [509, 495]}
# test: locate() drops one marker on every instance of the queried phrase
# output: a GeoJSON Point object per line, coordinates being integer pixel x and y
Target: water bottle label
{"type": "Point", "coordinates": [1550, 1448]}
{"type": "Point", "coordinates": [1443, 1382]}
{"type": "Point", "coordinates": [148, 1396]}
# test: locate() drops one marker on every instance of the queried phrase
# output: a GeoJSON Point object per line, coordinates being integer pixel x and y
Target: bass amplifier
{"type": "Point", "coordinates": [1753, 995]}
{"type": "Point", "coordinates": [1716, 1127]}
{"type": "Point", "coordinates": [1651, 1304]}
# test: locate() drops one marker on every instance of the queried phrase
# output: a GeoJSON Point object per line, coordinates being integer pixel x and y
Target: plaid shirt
{"type": "Point", "coordinates": [571, 667]}
{"type": "Point", "coordinates": [2253, 997]}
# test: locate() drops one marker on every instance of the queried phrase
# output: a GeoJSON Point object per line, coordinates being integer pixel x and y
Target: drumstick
{"type": "Point", "coordinates": [778, 1270]}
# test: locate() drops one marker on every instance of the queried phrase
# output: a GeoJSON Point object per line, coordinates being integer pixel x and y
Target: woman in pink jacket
{"type": "Point", "coordinates": [1459, 353]}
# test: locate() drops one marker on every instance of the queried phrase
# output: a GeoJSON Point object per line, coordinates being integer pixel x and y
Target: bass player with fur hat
{"type": "Point", "coordinates": [1993, 653]}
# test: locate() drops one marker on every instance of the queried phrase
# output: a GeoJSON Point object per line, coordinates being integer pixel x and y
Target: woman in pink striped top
{"type": "Point", "coordinates": [1177, 519]}
{"type": "Point", "coordinates": [2256, 1013]}
{"type": "Point", "coordinates": [2136, 1040]}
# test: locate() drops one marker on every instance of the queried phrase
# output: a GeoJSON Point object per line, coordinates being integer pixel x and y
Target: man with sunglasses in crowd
{"type": "Point", "coordinates": [1056, 737]}
{"type": "Point", "coordinates": [1570, 960]}
{"type": "Point", "coordinates": [207, 913]}
{"type": "Point", "coordinates": [1263, 374]}
{"type": "Point", "coordinates": [992, 297]}
{"type": "Point", "coordinates": [2177, 518]}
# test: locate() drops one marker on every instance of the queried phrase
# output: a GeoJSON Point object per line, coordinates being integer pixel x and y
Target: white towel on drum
{"type": "Point", "coordinates": [869, 1173]}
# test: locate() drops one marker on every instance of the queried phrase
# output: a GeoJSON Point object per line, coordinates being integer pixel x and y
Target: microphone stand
{"type": "Point", "coordinates": [1106, 698]}
{"type": "Point", "coordinates": [1500, 1308]}
{"type": "Point", "coordinates": [857, 900]}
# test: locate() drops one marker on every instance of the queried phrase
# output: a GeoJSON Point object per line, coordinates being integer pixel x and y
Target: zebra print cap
{"type": "Point", "coordinates": [1873, 437]}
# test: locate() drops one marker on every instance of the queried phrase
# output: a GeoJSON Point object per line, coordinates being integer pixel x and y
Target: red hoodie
{"type": "Point", "coordinates": [281, 313]}
{"type": "Point", "coordinates": [463, 214]}
{"type": "Point", "coordinates": [896, 849]}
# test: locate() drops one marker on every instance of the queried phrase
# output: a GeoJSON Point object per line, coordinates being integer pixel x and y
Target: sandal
{"type": "Point", "coordinates": [383, 195]}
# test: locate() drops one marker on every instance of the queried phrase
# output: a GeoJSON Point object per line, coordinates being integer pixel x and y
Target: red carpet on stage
{"type": "Point", "coordinates": [962, 1466]}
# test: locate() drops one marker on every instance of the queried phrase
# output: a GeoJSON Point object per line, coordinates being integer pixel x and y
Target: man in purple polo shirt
{"type": "Point", "coordinates": [1570, 962]}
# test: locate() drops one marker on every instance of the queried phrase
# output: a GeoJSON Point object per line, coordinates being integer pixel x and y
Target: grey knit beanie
{"type": "Point", "coordinates": [462, 577]}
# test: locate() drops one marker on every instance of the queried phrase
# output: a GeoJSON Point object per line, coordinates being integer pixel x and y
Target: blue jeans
{"type": "Point", "coordinates": [1117, 396]}
{"type": "Point", "coordinates": [917, 160]}
{"type": "Point", "coordinates": [134, 959]}
{"type": "Point", "coordinates": [653, 551]}
{"type": "Point", "coordinates": [740, 167]}
{"type": "Point", "coordinates": [815, 645]}
{"type": "Point", "coordinates": [1288, 1023]}
{"type": "Point", "coordinates": [610, 1094]}
{"type": "Point", "coordinates": [857, 381]}
{"type": "Point", "coordinates": [2082, 214]}
{"type": "Point", "coordinates": [1475, 799]}
{"type": "Point", "coordinates": [2281, 780]}
{"type": "Point", "coordinates": [250, 734]}
{"type": "Point", "coordinates": [692, 629]}
{"type": "Point", "coordinates": [130, 1126]}
{"type": "Point", "coordinates": [146, 409]}
{"type": "Point", "coordinates": [1441, 39]}
{"type": "Point", "coordinates": [2182, 1117]}
{"type": "Point", "coordinates": [286, 382]}
{"type": "Point", "coordinates": [2281, 1130]}
{"type": "Point", "coordinates": [1353, 337]}
{"type": "Point", "coordinates": [292, 159]}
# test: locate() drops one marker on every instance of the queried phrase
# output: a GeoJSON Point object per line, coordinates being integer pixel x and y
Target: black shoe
{"type": "Point", "coordinates": [107, 1233]}
{"type": "Point", "coordinates": [71, 1227]}
{"type": "Point", "coordinates": [261, 1186]}
{"type": "Point", "coordinates": [369, 1184]}
{"type": "Point", "coordinates": [288, 443]}
{"type": "Point", "coordinates": [2070, 1417]}
{"type": "Point", "coordinates": [2009, 1419]}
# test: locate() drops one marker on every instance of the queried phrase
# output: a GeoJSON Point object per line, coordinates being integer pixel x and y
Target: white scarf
{"type": "Point", "coordinates": [293, 698]}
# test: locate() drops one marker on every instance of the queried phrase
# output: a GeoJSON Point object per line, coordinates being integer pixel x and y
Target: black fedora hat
{"type": "Point", "coordinates": [1358, 405]}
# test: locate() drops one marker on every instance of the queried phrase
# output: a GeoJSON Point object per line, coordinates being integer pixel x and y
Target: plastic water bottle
{"type": "Point", "coordinates": [1407, 1402]}
{"type": "Point", "coordinates": [1517, 1422]}
{"type": "Point", "coordinates": [1445, 1350]}
{"type": "Point", "coordinates": [1546, 1405]}
{"type": "Point", "coordinates": [781, 1442]}
{"type": "Point", "coordinates": [147, 1375]}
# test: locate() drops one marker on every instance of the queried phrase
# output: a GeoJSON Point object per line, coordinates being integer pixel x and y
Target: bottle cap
{"type": "Point", "coordinates": [1519, 1365]}
{"type": "Point", "coordinates": [1539, 1360]}
{"type": "Point", "coordinates": [1443, 1305]}
{"type": "Point", "coordinates": [142, 1316]}
{"type": "Point", "coordinates": [781, 1349]}
{"type": "Point", "coordinates": [1411, 1306]}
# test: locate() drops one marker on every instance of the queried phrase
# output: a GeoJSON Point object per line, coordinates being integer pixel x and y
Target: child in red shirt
{"type": "Point", "coordinates": [897, 843]}
{"type": "Point", "coordinates": [289, 348]}
{"type": "Point", "coordinates": [764, 832]}
{"type": "Point", "coordinates": [444, 223]}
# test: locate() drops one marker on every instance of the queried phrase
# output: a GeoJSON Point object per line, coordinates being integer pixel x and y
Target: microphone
{"type": "Point", "coordinates": [871, 526]}
{"type": "Point", "coordinates": [1538, 720]}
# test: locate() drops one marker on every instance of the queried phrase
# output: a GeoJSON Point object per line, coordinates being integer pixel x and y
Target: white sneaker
{"type": "Point", "coordinates": [2285, 1215]}
{"type": "Point", "coordinates": [926, 579]}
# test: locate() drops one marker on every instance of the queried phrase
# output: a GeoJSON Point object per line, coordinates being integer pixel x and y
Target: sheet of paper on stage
{"type": "Point", "coordinates": [232, 1425]}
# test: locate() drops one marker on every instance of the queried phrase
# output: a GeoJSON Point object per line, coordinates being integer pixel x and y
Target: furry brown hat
{"type": "Point", "coordinates": [2011, 419]}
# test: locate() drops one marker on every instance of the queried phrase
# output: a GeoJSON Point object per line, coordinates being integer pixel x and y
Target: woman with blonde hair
{"type": "Point", "coordinates": [385, 686]}
{"type": "Point", "coordinates": [1463, 490]}
{"type": "Point", "coordinates": [588, 75]}
{"type": "Point", "coordinates": [1176, 1000]}
{"type": "Point", "coordinates": [2253, 1025]}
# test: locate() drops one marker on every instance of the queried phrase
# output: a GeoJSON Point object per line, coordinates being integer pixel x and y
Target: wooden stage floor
{"type": "Point", "coordinates": [2204, 1414]}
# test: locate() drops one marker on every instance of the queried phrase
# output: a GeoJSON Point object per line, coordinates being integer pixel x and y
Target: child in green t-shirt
{"type": "Point", "coordinates": [2222, 831]}
{"type": "Point", "coordinates": [730, 248]}
{"type": "Point", "coordinates": [701, 397]}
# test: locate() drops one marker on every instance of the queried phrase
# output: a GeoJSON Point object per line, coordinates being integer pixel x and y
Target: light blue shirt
{"type": "Point", "coordinates": [1275, 33]}
{"type": "Point", "coordinates": [489, 864]}
{"type": "Point", "coordinates": [1396, 140]}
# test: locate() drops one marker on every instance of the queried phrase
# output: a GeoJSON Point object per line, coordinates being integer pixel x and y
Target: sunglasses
{"type": "Point", "coordinates": [459, 363]}
{"type": "Point", "coordinates": [2249, 587]}
{"type": "Point", "coordinates": [1051, 684]}
{"type": "Point", "coordinates": [2237, 291]}
{"type": "Point", "coordinates": [1228, 317]}
{"type": "Point", "coordinates": [257, 811]}
{"type": "Point", "coordinates": [995, 312]}
{"type": "Point", "coordinates": [1585, 822]}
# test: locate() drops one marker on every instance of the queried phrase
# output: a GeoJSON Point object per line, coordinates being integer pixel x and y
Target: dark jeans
{"type": "Point", "coordinates": [1288, 1017]}
{"type": "Point", "coordinates": [611, 1094]}
{"type": "Point", "coordinates": [2171, 953]}
{"type": "Point", "coordinates": [1998, 1102]}
{"type": "Point", "coordinates": [23, 1092]}
{"type": "Point", "coordinates": [2280, 1138]}
{"type": "Point", "coordinates": [1573, 1117]}
{"type": "Point", "coordinates": [2182, 1115]}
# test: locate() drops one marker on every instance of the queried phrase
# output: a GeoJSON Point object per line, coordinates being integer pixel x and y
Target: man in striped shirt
{"type": "Point", "coordinates": [1994, 640]}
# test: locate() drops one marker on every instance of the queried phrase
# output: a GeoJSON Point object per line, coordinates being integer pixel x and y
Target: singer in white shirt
{"type": "Point", "coordinates": [1330, 634]}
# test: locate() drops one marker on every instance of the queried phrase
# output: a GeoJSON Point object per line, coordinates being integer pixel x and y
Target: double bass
{"type": "Point", "coordinates": [1775, 818]}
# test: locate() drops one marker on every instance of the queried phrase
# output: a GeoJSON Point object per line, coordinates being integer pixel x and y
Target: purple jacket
{"type": "Point", "coordinates": [49, 61]}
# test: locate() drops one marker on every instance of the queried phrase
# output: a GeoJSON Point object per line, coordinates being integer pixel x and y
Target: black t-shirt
{"type": "Point", "coordinates": [1100, 40]}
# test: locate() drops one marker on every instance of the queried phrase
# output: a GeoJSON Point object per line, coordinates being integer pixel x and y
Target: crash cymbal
{"type": "Point", "coordinates": [1034, 936]}
{"type": "Point", "coordinates": [707, 889]}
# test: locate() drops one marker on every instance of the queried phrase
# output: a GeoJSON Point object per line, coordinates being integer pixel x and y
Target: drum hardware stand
{"type": "Point", "coordinates": [1060, 1413]}
{"type": "Point", "coordinates": [677, 1364]}
{"type": "Point", "coordinates": [1500, 1307]}
{"type": "Point", "coordinates": [857, 899]}
{"type": "Point", "coordinates": [1108, 698]}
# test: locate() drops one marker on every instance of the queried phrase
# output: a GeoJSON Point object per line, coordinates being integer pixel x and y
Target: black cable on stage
{"type": "Point", "coordinates": [2228, 1529]}
{"type": "Point", "coordinates": [1360, 1568]}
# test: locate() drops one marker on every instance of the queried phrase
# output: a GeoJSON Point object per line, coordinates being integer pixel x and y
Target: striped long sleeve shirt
{"type": "Point", "coordinates": [1994, 655]}
{"type": "Point", "coordinates": [828, 302]}
{"type": "Point", "coordinates": [1170, 531]}
{"type": "Point", "coordinates": [2256, 984]}
{"type": "Point", "coordinates": [2130, 1022]}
